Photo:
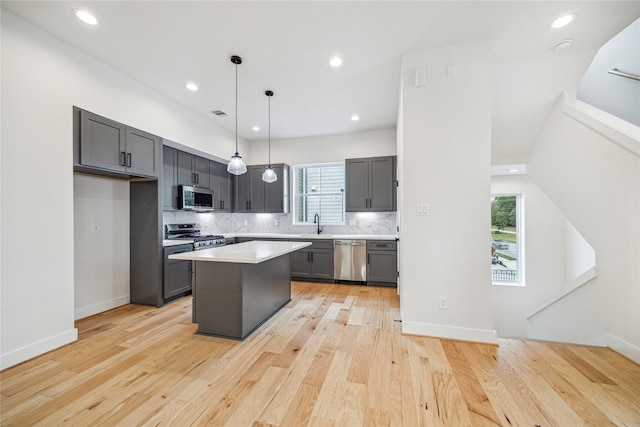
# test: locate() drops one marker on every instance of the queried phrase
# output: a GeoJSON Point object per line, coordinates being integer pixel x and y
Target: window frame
{"type": "Point", "coordinates": [520, 241]}
{"type": "Point", "coordinates": [295, 173]}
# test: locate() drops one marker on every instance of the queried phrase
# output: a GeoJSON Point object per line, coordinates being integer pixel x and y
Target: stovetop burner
{"type": "Point", "coordinates": [192, 232]}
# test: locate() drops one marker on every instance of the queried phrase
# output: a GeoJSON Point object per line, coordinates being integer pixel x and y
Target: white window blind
{"type": "Point", "coordinates": [319, 190]}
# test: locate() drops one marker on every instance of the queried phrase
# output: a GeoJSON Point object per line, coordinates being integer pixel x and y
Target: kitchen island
{"type": "Point", "coordinates": [238, 287]}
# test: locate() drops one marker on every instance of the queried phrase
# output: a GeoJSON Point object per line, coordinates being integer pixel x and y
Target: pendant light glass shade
{"type": "Point", "coordinates": [236, 166]}
{"type": "Point", "coordinates": [269, 175]}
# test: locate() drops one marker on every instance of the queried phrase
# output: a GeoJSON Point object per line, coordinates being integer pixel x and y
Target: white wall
{"type": "Point", "coordinates": [101, 257]}
{"type": "Point", "coordinates": [446, 148]}
{"type": "Point", "coordinates": [42, 79]}
{"type": "Point", "coordinates": [617, 95]}
{"type": "Point", "coordinates": [579, 254]}
{"type": "Point", "coordinates": [596, 184]}
{"type": "Point", "coordinates": [324, 149]}
{"type": "Point", "coordinates": [544, 257]}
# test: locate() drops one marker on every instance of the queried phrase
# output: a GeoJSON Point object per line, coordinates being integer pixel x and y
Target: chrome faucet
{"type": "Point", "coordinates": [316, 219]}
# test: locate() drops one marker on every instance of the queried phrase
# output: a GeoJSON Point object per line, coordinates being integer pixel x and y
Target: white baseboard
{"type": "Point", "coordinates": [623, 347]}
{"type": "Point", "coordinates": [36, 349]}
{"type": "Point", "coordinates": [90, 310]}
{"type": "Point", "coordinates": [450, 332]}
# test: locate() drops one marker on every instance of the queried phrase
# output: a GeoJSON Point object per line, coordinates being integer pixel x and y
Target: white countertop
{"type": "Point", "coordinates": [253, 252]}
{"type": "Point", "coordinates": [314, 236]}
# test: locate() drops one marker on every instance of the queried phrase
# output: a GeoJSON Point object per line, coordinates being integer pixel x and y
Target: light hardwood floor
{"type": "Point", "coordinates": [334, 356]}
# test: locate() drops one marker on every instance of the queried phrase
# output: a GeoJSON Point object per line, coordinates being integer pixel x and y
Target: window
{"type": "Point", "coordinates": [507, 261]}
{"type": "Point", "coordinates": [319, 189]}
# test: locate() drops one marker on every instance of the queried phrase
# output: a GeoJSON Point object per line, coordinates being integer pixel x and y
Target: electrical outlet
{"type": "Point", "coordinates": [96, 228]}
{"type": "Point", "coordinates": [368, 223]}
{"type": "Point", "coordinates": [422, 209]}
{"type": "Point", "coordinates": [276, 222]}
{"type": "Point", "coordinates": [246, 222]}
{"type": "Point", "coordinates": [443, 303]}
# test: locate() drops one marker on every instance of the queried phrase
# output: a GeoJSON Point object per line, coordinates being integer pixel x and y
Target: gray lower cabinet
{"type": "Point", "coordinates": [370, 184]}
{"type": "Point", "coordinates": [177, 273]}
{"type": "Point", "coordinates": [382, 262]}
{"type": "Point", "coordinates": [106, 147]}
{"type": "Point", "coordinates": [314, 262]}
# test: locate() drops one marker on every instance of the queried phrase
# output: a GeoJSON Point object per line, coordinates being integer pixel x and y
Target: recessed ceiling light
{"type": "Point", "coordinates": [335, 61]}
{"type": "Point", "coordinates": [255, 128]}
{"type": "Point", "coordinates": [191, 86]}
{"type": "Point", "coordinates": [563, 20]}
{"type": "Point", "coordinates": [513, 170]}
{"type": "Point", "coordinates": [85, 17]}
{"type": "Point", "coordinates": [355, 117]}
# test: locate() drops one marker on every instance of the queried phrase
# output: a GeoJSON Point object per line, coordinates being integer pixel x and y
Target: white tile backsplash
{"type": "Point", "coordinates": [221, 223]}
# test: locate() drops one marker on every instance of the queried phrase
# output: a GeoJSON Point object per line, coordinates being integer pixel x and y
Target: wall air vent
{"type": "Point", "coordinates": [219, 113]}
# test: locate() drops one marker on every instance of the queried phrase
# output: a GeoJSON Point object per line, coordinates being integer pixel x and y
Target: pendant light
{"type": "Point", "coordinates": [236, 166]}
{"type": "Point", "coordinates": [269, 174]}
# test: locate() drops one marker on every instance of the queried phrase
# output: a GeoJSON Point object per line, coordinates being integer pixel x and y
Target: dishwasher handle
{"type": "Point", "coordinates": [347, 243]}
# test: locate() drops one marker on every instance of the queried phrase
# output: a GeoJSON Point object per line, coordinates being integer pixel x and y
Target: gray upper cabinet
{"type": "Point", "coordinates": [371, 184]}
{"type": "Point", "coordinates": [277, 193]}
{"type": "Point", "coordinates": [252, 194]}
{"type": "Point", "coordinates": [193, 170]}
{"type": "Point", "coordinates": [169, 178]}
{"type": "Point", "coordinates": [222, 185]}
{"type": "Point", "coordinates": [112, 147]}
{"type": "Point", "coordinates": [249, 189]}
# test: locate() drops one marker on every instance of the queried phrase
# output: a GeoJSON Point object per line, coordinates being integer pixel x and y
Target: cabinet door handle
{"type": "Point", "coordinates": [128, 160]}
{"type": "Point", "coordinates": [250, 204]}
{"type": "Point", "coordinates": [368, 259]}
{"type": "Point", "coordinates": [122, 157]}
{"type": "Point", "coordinates": [197, 178]}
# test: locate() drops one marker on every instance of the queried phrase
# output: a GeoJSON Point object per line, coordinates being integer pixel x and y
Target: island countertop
{"type": "Point", "coordinates": [253, 252]}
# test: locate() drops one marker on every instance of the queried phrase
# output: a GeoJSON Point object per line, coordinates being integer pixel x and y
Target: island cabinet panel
{"type": "Point", "coordinates": [105, 147]}
{"type": "Point", "coordinates": [231, 300]}
{"type": "Point", "coordinates": [371, 184]}
{"type": "Point", "coordinates": [382, 263]}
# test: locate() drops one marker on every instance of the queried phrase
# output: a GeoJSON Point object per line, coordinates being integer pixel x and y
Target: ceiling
{"type": "Point", "coordinates": [286, 47]}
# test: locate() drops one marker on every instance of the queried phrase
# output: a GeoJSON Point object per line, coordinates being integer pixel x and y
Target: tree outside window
{"type": "Point", "coordinates": [506, 239]}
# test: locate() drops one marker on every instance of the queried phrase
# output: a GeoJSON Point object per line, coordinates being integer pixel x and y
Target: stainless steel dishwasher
{"type": "Point", "coordinates": [350, 260]}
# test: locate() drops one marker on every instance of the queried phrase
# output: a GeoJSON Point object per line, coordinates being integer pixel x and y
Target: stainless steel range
{"type": "Point", "coordinates": [192, 232]}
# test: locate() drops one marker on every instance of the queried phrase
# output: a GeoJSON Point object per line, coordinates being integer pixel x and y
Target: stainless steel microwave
{"type": "Point", "coordinates": [195, 199]}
